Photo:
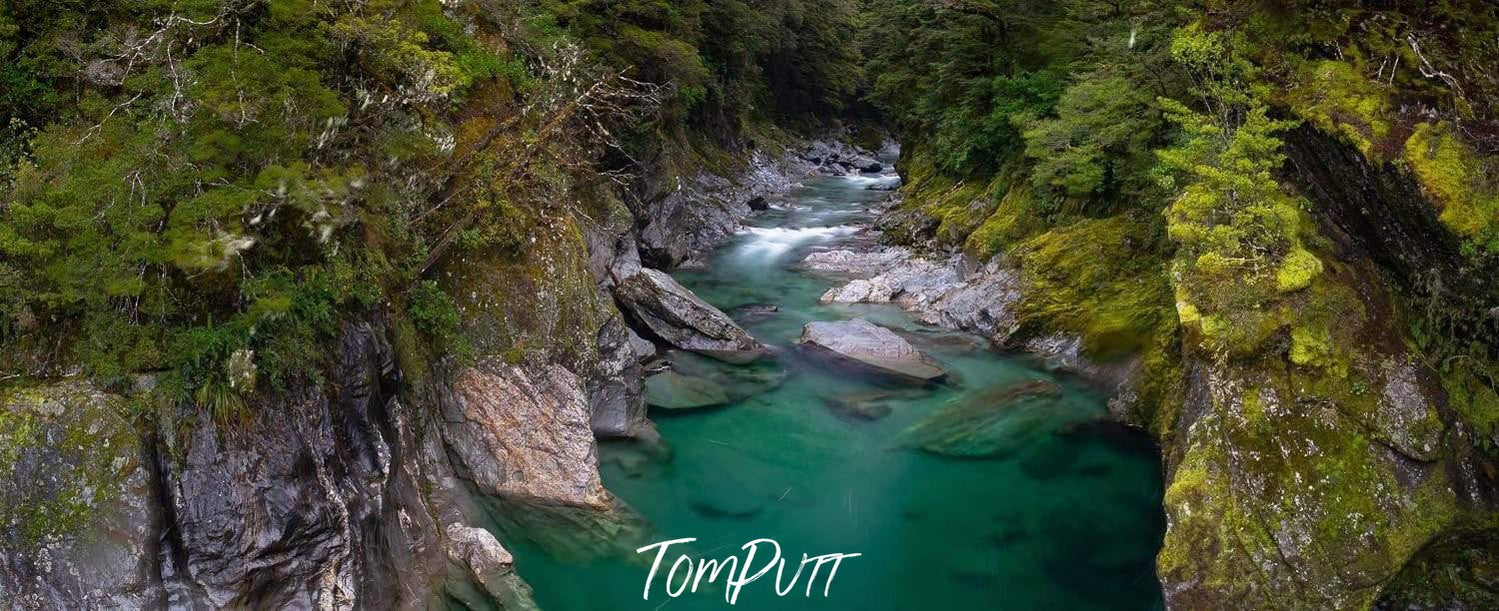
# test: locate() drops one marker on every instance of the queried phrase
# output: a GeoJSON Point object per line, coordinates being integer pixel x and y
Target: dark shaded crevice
{"type": "Point", "coordinates": [169, 559]}
{"type": "Point", "coordinates": [1377, 211]}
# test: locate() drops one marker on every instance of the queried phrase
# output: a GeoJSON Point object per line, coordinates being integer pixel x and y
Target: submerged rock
{"type": "Point", "coordinates": [680, 318]}
{"type": "Point", "coordinates": [491, 566]}
{"type": "Point", "coordinates": [724, 499]}
{"type": "Point", "coordinates": [861, 406]}
{"type": "Point", "coordinates": [872, 347]}
{"type": "Point", "coordinates": [754, 312]}
{"type": "Point", "coordinates": [672, 390]}
{"type": "Point", "coordinates": [991, 422]}
{"type": "Point", "coordinates": [692, 381]}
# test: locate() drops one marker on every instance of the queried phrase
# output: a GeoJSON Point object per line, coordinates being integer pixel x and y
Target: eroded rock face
{"type": "Point", "coordinates": [525, 435]}
{"type": "Point", "coordinates": [692, 214]}
{"type": "Point", "coordinates": [319, 497]}
{"type": "Point", "coordinates": [872, 347]}
{"type": "Point", "coordinates": [1282, 494]}
{"type": "Point", "coordinates": [680, 318]}
{"type": "Point", "coordinates": [491, 566]}
{"type": "Point", "coordinates": [614, 394]}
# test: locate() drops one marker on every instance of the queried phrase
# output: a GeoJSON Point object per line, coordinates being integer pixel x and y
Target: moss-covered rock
{"type": "Point", "coordinates": [76, 509]}
{"type": "Point", "coordinates": [1457, 180]}
{"type": "Point", "coordinates": [1280, 499]}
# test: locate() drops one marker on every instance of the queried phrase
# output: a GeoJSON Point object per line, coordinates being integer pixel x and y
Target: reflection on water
{"type": "Point", "coordinates": [1065, 517]}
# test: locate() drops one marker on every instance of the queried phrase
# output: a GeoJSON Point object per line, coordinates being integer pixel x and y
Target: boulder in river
{"type": "Point", "coordinates": [672, 390]}
{"type": "Point", "coordinates": [872, 347]}
{"type": "Point", "coordinates": [754, 312]}
{"type": "Point", "coordinates": [680, 318]}
{"type": "Point", "coordinates": [861, 406]}
{"type": "Point", "coordinates": [991, 422]}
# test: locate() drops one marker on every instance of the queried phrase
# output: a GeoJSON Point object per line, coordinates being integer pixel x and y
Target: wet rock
{"type": "Point", "coordinates": [683, 215]}
{"type": "Point", "coordinates": [716, 500]}
{"type": "Point", "coordinates": [680, 318]}
{"type": "Point", "coordinates": [616, 404]}
{"type": "Point", "coordinates": [754, 312]}
{"type": "Point", "coordinates": [758, 204]}
{"type": "Point", "coordinates": [521, 436]}
{"type": "Point", "coordinates": [861, 406]}
{"type": "Point", "coordinates": [1064, 352]}
{"type": "Point", "coordinates": [77, 513]}
{"type": "Point", "coordinates": [913, 284]}
{"type": "Point", "coordinates": [644, 349]}
{"type": "Point", "coordinates": [995, 421]}
{"type": "Point", "coordinates": [872, 347]}
{"type": "Point", "coordinates": [672, 390]}
{"type": "Point", "coordinates": [490, 566]}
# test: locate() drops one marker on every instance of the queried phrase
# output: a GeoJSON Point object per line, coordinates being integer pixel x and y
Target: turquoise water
{"type": "Point", "coordinates": [1070, 519]}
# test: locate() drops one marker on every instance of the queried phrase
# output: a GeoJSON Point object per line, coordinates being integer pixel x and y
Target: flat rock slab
{"type": "Point", "coordinates": [872, 347]}
{"type": "Point", "coordinates": [672, 390]}
{"type": "Point", "coordinates": [995, 421]}
{"type": "Point", "coordinates": [680, 318]}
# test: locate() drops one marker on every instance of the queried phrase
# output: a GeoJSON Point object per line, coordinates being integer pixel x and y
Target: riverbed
{"type": "Point", "coordinates": [1068, 519]}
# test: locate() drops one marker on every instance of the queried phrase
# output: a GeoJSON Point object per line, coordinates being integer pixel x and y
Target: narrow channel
{"type": "Point", "coordinates": [1069, 517]}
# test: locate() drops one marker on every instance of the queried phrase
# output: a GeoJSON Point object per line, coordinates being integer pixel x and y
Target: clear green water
{"type": "Point", "coordinates": [1069, 520]}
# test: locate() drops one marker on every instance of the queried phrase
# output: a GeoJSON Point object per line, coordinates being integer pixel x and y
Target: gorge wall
{"type": "Point", "coordinates": [297, 302]}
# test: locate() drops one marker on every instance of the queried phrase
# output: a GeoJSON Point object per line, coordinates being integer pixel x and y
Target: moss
{"type": "Point", "coordinates": [1013, 220]}
{"type": "Point", "coordinates": [1457, 179]}
{"type": "Point", "coordinates": [1100, 279]}
{"type": "Point", "coordinates": [1311, 345]}
{"type": "Point", "coordinates": [1273, 475]}
{"type": "Point", "coordinates": [540, 302]}
{"type": "Point", "coordinates": [1339, 98]}
{"type": "Point", "coordinates": [1297, 271]}
{"type": "Point", "coordinates": [959, 206]}
{"type": "Point", "coordinates": [65, 453]}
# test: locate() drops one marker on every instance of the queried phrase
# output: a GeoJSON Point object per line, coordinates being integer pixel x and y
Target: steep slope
{"type": "Point", "coordinates": [1312, 313]}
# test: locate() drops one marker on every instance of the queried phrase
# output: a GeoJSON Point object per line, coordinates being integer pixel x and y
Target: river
{"type": "Point", "coordinates": [1070, 519]}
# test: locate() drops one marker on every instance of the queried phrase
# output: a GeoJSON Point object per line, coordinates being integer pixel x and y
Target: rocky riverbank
{"type": "Point", "coordinates": [953, 290]}
{"type": "Point", "coordinates": [375, 488]}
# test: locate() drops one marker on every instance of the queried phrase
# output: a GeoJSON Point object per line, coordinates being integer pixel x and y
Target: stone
{"type": "Point", "coordinates": [678, 317]}
{"type": "Point", "coordinates": [867, 406]}
{"type": "Point", "coordinates": [995, 421]}
{"type": "Point", "coordinates": [854, 263]}
{"type": "Point", "coordinates": [672, 390]}
{"type": "Point", "coordinates": [77, 513]}
{"type": "Point", "coordinates": [525, 435]}
{"type": "Point", "coordinates": [615, 400]}
{"type": "Point", "coordinates": [754, 312]}
{"type": "Point", "coordinates": [873, 348]}
{"type": "Point", "coordinates": [490, 565]}
{"type": "Point", "coordinates": [758, 204]}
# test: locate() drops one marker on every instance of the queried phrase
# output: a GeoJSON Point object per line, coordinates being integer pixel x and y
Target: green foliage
{"type": "Point", "coordinates": [1098, 138]}
{"type": "Point", "coordinates": [726, 60]}
{"type": "Point", "coordinates": [207, 214]}
{"type": "Point", "coordinates": [1231, 212]}
{"type": "Point", "coordinates": [434, 313]}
